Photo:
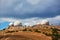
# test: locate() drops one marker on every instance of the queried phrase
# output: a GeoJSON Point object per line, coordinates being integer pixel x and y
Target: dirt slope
{"type": "Point", "coordinates": [24, 36]}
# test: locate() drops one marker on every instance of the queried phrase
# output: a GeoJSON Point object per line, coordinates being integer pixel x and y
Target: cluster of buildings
{"type": "Point", "coordinates": [18, 25]}
{"type": "Point", "coordinates": [14, 26]}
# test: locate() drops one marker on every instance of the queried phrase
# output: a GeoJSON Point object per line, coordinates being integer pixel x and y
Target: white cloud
{"type": "Point", "coordinates": [8, 19]}
{"type": "Point", "coordinates": [33, 21]}
{"type": "Point", "coordinates": [55, 20]}
{"type": "Point", "coordinates": [29, 21]}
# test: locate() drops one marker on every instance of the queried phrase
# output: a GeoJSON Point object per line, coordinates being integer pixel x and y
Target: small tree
{"type": "Point", "coordinates": [36, 30]}
{"type": "Point", "coordinates": [25, 29]}
{"type": "Point", "coordinates": [30, 30]}
{"type": "Point", "coordinates": [47, 34]}
{"type": "Point", "coordinates": [54, 34]}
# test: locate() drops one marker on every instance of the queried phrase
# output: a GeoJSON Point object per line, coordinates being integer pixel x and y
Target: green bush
{"type": "Point", "coordinates": [24, 29]}
{"type": "Point", "coordinates": [36, 30]}
{"type": "Point", "coordinates": [48, 34]}
{"type": "Point", "coordinates": [43, 32]}
{"type": "Point", "coordinates": [30, 30]}
{"type": "Point", "coordinates": [3, 29]}
{"type": "Point", "coordinates": [55, 35]}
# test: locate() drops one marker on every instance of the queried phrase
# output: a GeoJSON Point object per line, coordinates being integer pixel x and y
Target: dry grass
{"type": "Point", "coordinates": [24, 36]}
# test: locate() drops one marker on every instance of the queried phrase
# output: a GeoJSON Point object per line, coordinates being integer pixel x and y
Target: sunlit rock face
{"type": "Point", "coordinates": [45, 22]}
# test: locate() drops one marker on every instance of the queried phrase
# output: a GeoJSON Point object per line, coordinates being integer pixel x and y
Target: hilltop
{"type": "Point", "coordinates": [35, 32]}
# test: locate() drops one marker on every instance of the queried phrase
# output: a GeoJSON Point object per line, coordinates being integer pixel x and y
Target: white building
{"type": "Point", "coordinates": [11, 24]}
{"type": "Point", "coordinates": [16, 23]}
{"type": "Point", "coordinates": [44, 22]}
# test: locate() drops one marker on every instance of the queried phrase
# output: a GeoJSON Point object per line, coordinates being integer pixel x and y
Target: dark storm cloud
{"type": "Point", "coordinates": [29, 8]}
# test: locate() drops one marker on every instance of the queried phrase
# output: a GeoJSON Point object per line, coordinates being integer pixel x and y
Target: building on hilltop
{"type": "Point", "coordinates": [45, 22]}
{"type": "Point", "coordinates": [16, 23]}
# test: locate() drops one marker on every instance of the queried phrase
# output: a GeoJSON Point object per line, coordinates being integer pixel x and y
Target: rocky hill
{"type": "Point", "coordinates": [35, 32]}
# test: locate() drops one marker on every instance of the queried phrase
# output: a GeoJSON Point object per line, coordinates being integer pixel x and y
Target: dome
{"type": "Point", "coordinates": [10, 24]}
{"type": "Point", "coordinates": [17, 23]}
{"type": "Point", "coordinates": [45, 22]}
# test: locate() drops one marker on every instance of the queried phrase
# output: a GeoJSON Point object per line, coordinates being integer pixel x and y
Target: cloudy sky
{"type": "Point", "coordinates": [30, 11]}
